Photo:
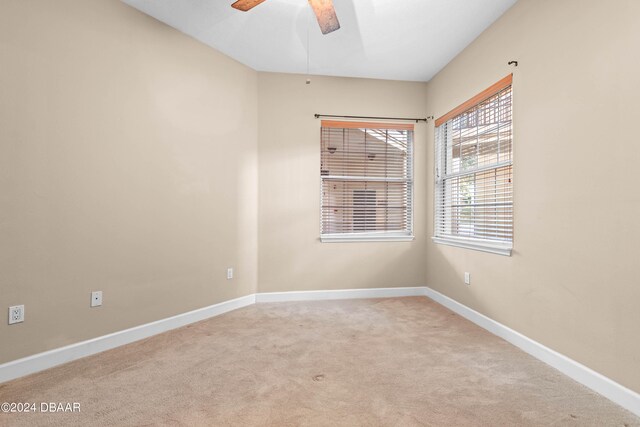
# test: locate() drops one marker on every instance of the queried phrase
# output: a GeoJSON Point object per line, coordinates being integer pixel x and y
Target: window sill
{"type": "Point", "coordinates": [476, 244]}
{"type": "Point", "coordinates": [373, 237]}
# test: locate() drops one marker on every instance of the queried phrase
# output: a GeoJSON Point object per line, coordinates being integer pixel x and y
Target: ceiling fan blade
{"type": "Point", "coordinates": [245, 5]}
{"type": "Point", "coordinates": [326, 15]}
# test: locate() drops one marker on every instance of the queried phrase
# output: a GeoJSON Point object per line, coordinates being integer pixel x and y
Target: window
{"type": "Point", "coordinates": [366, 171]}
{"type": "Point", "coordinates": [474, 183]}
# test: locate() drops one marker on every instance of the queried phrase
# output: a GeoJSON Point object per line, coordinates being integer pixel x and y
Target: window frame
{"type": "Point", "coordinates": [485, 245]}
{"type": "Point", "coordinates": [374, 236]}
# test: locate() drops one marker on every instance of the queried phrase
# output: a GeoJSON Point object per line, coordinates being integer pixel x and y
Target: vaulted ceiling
{"type": "Point", "coordinates": [385, 39]}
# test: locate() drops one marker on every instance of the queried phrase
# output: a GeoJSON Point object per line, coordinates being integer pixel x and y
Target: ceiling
{"type": "Point", "coordinates": [384, 39]}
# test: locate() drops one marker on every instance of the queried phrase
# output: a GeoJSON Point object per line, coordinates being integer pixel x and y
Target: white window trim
{"type": "Point", "coordinates": [500, 248]}
{"type": "Point", "coordinates": [367, 237]}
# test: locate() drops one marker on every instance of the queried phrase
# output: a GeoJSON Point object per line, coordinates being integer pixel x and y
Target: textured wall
{"type": "Point", "coordinates": [571, 283]}
{"type": "Point", "coordinates": [128, 164]}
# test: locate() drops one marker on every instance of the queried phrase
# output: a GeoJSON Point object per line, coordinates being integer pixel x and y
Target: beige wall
{"type": "Point", "coordinates": [571, 283]}
{"type": "Point", "coordinates": [128, 164]}
{"type": "Point", "coordinates": [291, 256]}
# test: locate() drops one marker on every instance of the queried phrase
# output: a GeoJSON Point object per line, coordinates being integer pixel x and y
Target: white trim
{"type": "Point", "coordinates": [366, 237]}
{"type": "Point", "coordinates": [608, 388]}
{"type": "Point", "coordinates": [499, 248]}
{"type": "Point", "coordinates": [48, 359]}
{"type": "Point", "coordinates": [339, 294]}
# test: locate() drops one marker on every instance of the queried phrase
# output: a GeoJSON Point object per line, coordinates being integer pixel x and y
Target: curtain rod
{"type": "Point", "coordinates": [374, 118]}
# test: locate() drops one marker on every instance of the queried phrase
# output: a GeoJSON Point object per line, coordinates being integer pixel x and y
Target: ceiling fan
{"type": "Point", "coordinates": [323, 9]}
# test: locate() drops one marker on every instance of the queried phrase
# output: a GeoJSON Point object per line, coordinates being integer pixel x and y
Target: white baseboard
{"type": "Point", "coordinates": [48, 359]}
{"type": "Point", "coordinates": [608, 388]}
{"type": "Point", "coordinates": [339, 294]}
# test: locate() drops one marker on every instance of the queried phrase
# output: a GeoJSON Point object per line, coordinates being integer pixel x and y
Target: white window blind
{"type": "Point", "coordinates": [366, 171]}
{"type": "Point", "coordinates": [474, 182]}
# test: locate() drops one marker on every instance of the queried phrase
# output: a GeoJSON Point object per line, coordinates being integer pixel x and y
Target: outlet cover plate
{"type": "Point", "coordinates": [96, 298]}
{"type": "Point", "coordinates": [16, 314]}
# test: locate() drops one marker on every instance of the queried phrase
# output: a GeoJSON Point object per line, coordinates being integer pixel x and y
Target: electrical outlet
{"type": "Point", "coordinates": [229, 273]}
{"type": "Point", "coordinates": [467, 278]}
{"type": "Point", "coordinates": [16, 314]}
{"type": "Point", "coordinates": [96, 299]}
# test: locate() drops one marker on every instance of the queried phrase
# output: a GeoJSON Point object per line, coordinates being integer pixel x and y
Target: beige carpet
{"type": "Point", "coordinates": [403, 361]}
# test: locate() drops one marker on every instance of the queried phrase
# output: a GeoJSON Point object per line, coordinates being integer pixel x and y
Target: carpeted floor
{"type": "Point", "coordinates": [401, 361]}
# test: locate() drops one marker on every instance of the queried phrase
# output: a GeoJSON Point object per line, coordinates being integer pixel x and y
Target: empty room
{"type": "Point", "coordinates": [319, 213]}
